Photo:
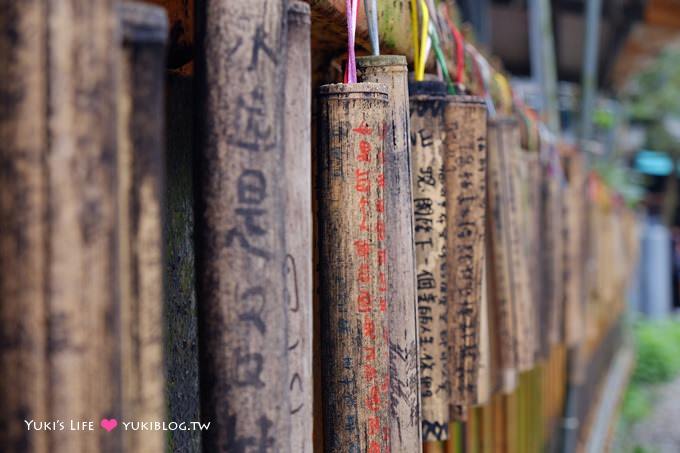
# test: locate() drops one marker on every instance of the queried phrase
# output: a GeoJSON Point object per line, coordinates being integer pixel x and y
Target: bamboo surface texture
{"type": "Point", "coordinates": [465, 169]}
{"type": "Point", "coordinates": [140, 218]}
{"type": "Point", "coordinates": [83, 300]}
{"type": "Point", "coordinates": [24, 384]}
{"type": "Point", "coordinates": [428, 140]}
{"type": "Point", "coordinates": [241, 245]}
{"type": "Point", "coordinates": [298, 212]}
{"type": "Point", "coordinates": [502, 301]}
{"type": "Point", "coordinates": [402, 309]}
{"type": "Point", "coordinates": [353, 277]}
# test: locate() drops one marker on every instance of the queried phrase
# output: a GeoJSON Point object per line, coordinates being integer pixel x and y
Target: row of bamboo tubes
{"type": "Point", "coordinates": [422, 287]}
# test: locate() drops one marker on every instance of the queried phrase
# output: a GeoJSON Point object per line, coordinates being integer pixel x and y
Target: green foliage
{"type": "Point", "coordinates": [658, 351]}
{"type": "Point", "coordinates": [636, 404]}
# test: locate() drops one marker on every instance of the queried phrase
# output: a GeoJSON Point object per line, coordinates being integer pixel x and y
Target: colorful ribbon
{"type": "Point", "coordinates": [352, 6]}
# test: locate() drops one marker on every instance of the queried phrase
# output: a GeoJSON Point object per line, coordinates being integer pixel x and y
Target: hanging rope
{"type": "Point", "coordinates": [371, 7]}
{"type": "Point", "coordinates": [420, 36]}
{"type": "Point", "coordinates": [460, 48]}
{"type": "Point", "coordinates": [352, 7]}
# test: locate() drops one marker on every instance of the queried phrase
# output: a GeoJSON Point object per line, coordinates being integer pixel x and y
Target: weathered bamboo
{"type": "Point", "coordinates": [519, 269]}
{"type": "Point", "coordinates": [500, 269]}
{"type": "Point", "coordinates": [402, 309]}
{"type": "Point", "coordinates": [23, 257]}
{"type": "Point", "coordinates": [241, 245]}
{"type": "Point", "coordinates": [82, 278]}
{"type": "Point", "coordinates": [140, 218]}
{"type": "Point", "coordinates": [353, 279]}
{"type": "Point", "coordinates": [465, 168]}
{"type": "Point", "coordinates": [554, 249]}
{"type": "Point", "coordinates": [428, 134]}
{"type": "Point", "coordinates": [298, 212]}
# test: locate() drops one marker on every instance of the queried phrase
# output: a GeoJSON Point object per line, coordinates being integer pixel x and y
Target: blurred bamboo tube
{"type": "Point", "coordinates": [428, 139]}
{"type": "Point", "coordinates": [23, 228]}
{"type": "Point", "coordinates": [500, 256]}
{"type": "Point", "coordinates": [298, 210]}
{"type": "Point", "coordinates": [140, 218]}
{"type": "Point", "coordinates": [403, 318]}
{"type": "Point", "coordinates": [465, 169]}
{"type": "Point", "coordinates": [510, 145]}
{"type": "Point", "coordinates": [240, 225]}
{"type": "Point", "coordinates": [82, 279]}
{"type": "Point", "coordinates": [353, 279]}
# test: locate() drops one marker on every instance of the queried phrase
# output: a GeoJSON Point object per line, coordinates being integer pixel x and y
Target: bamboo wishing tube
{"type": "Point", "coordinates": [353, 258]}
{"type": "Point", "coordinates": [427, 104]}
{"type": "Point", "coordinates": [240, 226]}
{"type": "Point", "coordinates": [519, 268]}
{"type": "Point", "coordinates": [298, 212]}
{"type": "Point", "coordinates": [23, 127]}
{"type": "Point", "coordinates": [500, 256]}
{"type": "Point", "coordinates": [140, 214]}
{"type": "Point", "coordinates": [353, 270]}
{"type": "Point", "coordinates": [82, 284]}
{"type": "Point", "coordinates": [465, 168]}
{"type": "Point", "coordinates": [403, 318]}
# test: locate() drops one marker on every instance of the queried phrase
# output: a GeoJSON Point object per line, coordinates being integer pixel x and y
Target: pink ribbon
{"type": "Point", "coordinates": [352, 7]}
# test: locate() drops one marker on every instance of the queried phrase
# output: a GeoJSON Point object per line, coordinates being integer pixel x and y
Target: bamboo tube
{"type": "Point", "coordinates": [23, 257]}
{"type": "Point", "coordinates": [500, 256]}
{"type": "Point", "coordinates": [240, 225]}
{"type": "Point", "coordinates": [82, 282]}
{"type": "Point", "coordinates": [427, 104]}
{"type": "Point", "coordinates": [554, 255]}
{"type": "Point", "coordinates": [465, 168]}
{"type": "Point", "coordinates": [140, 218]}
{"type": "Point", "coordinates": [353, 280]}
{"type": "Point", "coordinates": [519, 275]}
{"type": "Point", "coordinates": [298, 211]}
{"type": "Point", "coordinates": [403, 319]}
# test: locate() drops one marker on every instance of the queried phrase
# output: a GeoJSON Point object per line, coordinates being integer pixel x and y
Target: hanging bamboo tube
{"type": "Point", "coordinates": [403, 319]}
{"type": "Point", "coordinates": [298, 209]}
{"type": "Point", "coordinates": [553, 225]}
{"type": "Point", "coordinates": [519, 270]}
{"type": "Point", "coordinates": [23, 258]}
{"type": "Point", "coordinates": [353, 280]}
{"type": "Point", "coordinates": [465, 168]}
{"type": "Point", "coordinates": [500, 256]}
{"type": "Point", "coordinates": [140, 218]}
{"type": "Point", "coordinates": [240, 225]}
{"type": "Point", "coordinates": [82, 280]}
{"type": "Point", "coordinates": [428, 134]}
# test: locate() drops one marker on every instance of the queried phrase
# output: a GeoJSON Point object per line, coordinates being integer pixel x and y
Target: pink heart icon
{"type": "Point", "coordinates": [108, 423]}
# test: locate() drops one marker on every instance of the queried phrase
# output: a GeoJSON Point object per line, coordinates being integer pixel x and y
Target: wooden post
{"type": "Point", "coordinates": [298, 211]}
{"type": "Point", "coordinates": [403, 318]}
{"type": "Point", "coordinates": [500, 256]}
{"type": "Point", "coordinates": [23, 230]}
{"type": "Point", "coordinates": [83, 310]}
{"type": "Point", "coordinates": [428, 134]}
{"type": "Point", "coordinates": [140, 218]}
{"type": "Point", "coordinates": [465, 168]}
{"type": "Point", "coordinates": [240, 221]}
{"type": "Point", "coordinates": [353, 280]}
